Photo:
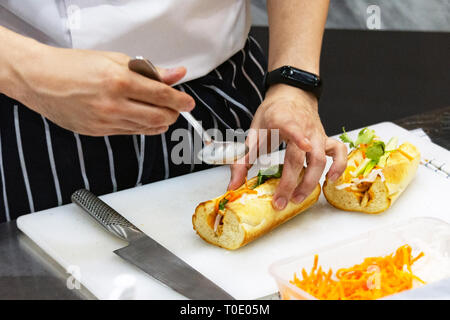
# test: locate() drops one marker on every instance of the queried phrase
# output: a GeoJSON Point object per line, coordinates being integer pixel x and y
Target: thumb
{"type": "Point", "coordinates": [171, 75]}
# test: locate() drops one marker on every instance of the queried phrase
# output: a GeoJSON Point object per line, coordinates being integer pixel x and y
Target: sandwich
{"type": "Point", "coordinates": [376, 173]}
{"type": "Point", "coordinates": [242, 215]}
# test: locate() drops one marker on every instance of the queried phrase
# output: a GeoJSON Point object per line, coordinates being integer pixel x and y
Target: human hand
{"type": "Point", "coordinates": [94, 93]}
{"type": "Point", "coordinates": [294, 113]}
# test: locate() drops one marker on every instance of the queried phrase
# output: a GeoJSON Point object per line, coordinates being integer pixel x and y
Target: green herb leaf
{"type": "Point", "coordinates": [346, 139]}
{"type": "Point", "coordinates": [269, 173]}
{"type": "Point", "coordinates": [222, 204]}
{"type": "Point", "coordinates": [365, 136]}
{"type": "Point", "coordinates": [375, 151]}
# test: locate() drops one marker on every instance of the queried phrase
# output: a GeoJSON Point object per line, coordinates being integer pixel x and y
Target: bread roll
{"type": "Point", "coordinates": [248, 217]}
{"type": "Point", "coordinates": [377, 196]}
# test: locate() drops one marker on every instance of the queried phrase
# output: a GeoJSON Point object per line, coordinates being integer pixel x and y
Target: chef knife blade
{"type": "Point", "coordinates": [149, 255]}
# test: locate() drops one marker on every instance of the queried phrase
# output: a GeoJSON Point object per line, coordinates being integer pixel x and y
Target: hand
{"type": "Point", "coordinates": [94, 93]}
{"type": "Point", "coordinates": [294, 112]}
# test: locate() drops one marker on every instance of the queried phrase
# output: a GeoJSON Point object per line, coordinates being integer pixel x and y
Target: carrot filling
{"type": "Point", "coordinates": [376, 277]}
{"type": "Point", "coordinates": [232, 195]}
{"type": "Point", "coordinates": [229, 196]}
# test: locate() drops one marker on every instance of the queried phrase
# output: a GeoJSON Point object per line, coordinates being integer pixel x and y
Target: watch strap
{"type": "Point", "coordinates": [294, 77]}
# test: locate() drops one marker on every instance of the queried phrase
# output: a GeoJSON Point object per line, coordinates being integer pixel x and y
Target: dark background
{"type": "Point", "coordinates": [376, 76]}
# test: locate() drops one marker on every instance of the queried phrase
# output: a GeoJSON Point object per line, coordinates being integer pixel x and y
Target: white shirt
{"type": "Point", "coordinates": [197, 34]}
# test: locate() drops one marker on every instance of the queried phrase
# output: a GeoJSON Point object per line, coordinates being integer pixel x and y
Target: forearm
{"type": "Point", "coordinates": [295, 33]}
{"type": "Point", "coordinates": [15, 51]}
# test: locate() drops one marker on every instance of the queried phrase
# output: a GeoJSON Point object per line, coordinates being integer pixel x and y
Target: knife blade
{"type": "Point", "coordinates": [147, 254]}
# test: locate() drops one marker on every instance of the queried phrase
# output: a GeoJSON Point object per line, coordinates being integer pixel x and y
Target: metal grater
{"type": "Point", "coordinates": [109, 218]}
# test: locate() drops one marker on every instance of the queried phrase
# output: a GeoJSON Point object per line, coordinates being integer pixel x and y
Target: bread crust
{"type": "Point", "coordinates": [249, 217]}
{"type": "Point", "coordinates": [399, 171]}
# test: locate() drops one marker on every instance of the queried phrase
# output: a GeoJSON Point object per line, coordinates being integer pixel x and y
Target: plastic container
{"type": "Point", "coordinates": [432, 236]}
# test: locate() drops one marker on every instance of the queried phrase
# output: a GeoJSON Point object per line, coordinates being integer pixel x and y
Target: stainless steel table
{"type": "Point", "coordinates": [26, 272]}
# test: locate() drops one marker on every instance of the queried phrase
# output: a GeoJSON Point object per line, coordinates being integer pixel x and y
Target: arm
{"type": "Point", "coordinates": [296, 30]}
{"type": "Point", "coordinates": [89, 92]}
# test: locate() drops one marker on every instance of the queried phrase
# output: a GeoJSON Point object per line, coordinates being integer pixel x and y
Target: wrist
{"type": "Point", "coordinates": [283, 91]}
{"type": "Point", "coordinates": [22, 52]}
{"type": "Point", "coordinates": [309, 66]}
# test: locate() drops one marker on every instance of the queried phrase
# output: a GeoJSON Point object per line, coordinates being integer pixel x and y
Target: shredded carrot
{"type": "Point", "coordinates": [376, 277]}
{"type": "Point", "coordinates": [216, 207]}
{"type": "Point", "coordinates": [232, 195]}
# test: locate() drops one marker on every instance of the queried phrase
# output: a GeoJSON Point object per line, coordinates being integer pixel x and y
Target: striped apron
{"type": "Point", "coordinates": [42, 164]}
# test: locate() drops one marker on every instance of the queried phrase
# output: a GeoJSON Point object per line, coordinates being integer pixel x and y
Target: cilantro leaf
{"type": "Point", "coordinates": [365, 136]}
{"type": "Point", "coordinates": [375, 151]}
{"type": "Point", "coordinates": [346, 139]}
{"type": "Point", "coordinates": [269, 173]}
{"type": "Point", "coordinates": [222, 204]}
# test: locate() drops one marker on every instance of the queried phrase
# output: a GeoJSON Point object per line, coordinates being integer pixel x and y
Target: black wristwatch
{"type": "Point", "coordinates": [294, 77]}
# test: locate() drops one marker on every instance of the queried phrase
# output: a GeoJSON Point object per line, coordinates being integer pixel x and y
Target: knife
{"type": "Point", "coordinates": [147, 254]}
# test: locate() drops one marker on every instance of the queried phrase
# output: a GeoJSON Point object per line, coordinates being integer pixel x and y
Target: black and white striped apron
{"type": "Point", "coordinates": [42, 164]}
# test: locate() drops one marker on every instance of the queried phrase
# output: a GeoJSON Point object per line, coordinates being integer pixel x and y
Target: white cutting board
{"type": "Point", "coordinates": [163, 210]}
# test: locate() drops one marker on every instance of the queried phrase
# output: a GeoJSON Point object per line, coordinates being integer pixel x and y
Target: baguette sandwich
{"type": "Point", "coordinates": [376, 174]}
{"type": "Point", "coordinates": [242, 215]}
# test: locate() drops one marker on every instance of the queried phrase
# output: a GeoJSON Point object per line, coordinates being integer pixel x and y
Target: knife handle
{"type": "Point", "coordinates": [109, 218]}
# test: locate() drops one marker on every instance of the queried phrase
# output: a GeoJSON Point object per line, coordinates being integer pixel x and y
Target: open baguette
{"type": "Point", "coordinates": [248, 217]}
{"type": "Point", "coordinates": [400, 168]}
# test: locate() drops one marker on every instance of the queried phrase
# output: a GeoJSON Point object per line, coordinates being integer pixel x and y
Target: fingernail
{"type": "Point", "coordinates": [280, 203]}
{"type": "Point", "coordinates": [171, 71]}
{"type": "Point", "coordinates": [165, 73]}
{"type": "Point", "coordinates": [299, 198]}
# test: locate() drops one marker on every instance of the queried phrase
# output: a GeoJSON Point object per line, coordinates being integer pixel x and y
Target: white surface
{"type": "Point", "coordinates": [164, 209]}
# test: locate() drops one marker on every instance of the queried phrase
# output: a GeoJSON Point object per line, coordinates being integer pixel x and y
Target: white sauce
{"type": "Point", "coordinates": [249, 196]}
{"type": "Point", "coordinates": [370, 178]}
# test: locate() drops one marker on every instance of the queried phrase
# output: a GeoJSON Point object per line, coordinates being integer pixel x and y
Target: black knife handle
{"type": "Point", "coordinates": [109, 218]}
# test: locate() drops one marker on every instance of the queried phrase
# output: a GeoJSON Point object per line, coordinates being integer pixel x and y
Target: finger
{"type": "Point", "coordinates": [172, 75]}
{"type": "Point", "coordinates": [338, 151]}
{"type": "Point", "coordinates": [316, 162]}
{"type": "Point", "coordinates": [136, 128]}
{"type": "Point", "coordinates": [293, 132]}
{"type": "Point", "coordinates": [144, 116]}
{"type": "Point", "coordinates": [147, 131]}
{"type": "Point", "coordinates": [293, 165]}
{"type": "Point", "coordinates": [157, 93]}
{"type": "Point", "coordinates": [240, 169]}
{"type": "Point", "coordinates": [238, 174]}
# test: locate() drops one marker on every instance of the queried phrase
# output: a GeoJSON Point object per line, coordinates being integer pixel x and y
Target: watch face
{"type": "Point", "coordinates": [300, 76]}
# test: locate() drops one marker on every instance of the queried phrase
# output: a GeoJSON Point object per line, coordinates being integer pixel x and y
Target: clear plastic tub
{"type": "Point", "coordinates": [432, 236]}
